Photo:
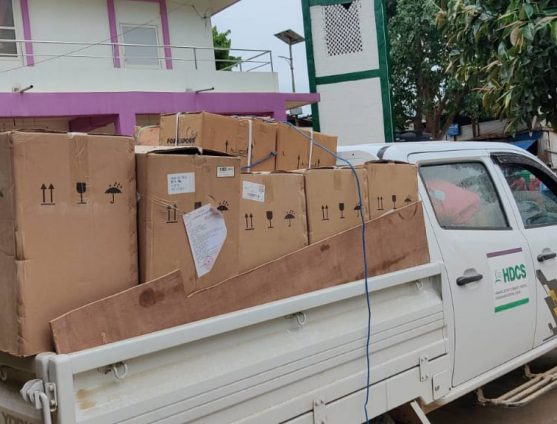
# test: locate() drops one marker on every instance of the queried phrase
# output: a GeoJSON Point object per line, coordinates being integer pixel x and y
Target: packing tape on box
{"type": "Point", "coordinates": [250, 142]}
{"type": "Point", "coordinates": [311, 141]}
{"type": "Point", "coordinates": [79, 166]}
{"type": "Point", "coordinates": [177, 127]}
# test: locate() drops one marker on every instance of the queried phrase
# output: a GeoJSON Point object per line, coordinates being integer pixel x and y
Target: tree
{"type": "Point", "coordinates": [418, 58]}
{"type": "Point", "coordinates": [221, 40]}
{"type": "Point", "coordinates": [507, 51]}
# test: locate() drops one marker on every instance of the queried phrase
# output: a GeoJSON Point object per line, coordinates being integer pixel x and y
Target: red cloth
{"type": "Point", "coordinates": [453, 205]}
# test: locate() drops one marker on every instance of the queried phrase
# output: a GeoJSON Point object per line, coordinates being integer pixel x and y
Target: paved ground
{"type": "Point", "coordinates": [466, 410]}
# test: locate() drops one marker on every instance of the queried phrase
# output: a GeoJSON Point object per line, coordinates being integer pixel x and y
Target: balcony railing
{"type": "Point", "coordinates": [47, 51]}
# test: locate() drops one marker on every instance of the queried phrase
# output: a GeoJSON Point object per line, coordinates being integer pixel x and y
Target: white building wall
{"type": "Point", "coordinates": [83, 78]}
{"type": "Point", "coordinates": [340, 107]}
{"type": "Point", "coordinates": [87, 21]}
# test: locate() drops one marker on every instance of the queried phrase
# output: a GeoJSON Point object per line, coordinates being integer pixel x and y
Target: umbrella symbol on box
{"type": "Point", "coordinates": [358, 209]}
{"type": "Point", "coordinates": [290, 215]}
{"type": "Point", "coordinates": [114, 189]}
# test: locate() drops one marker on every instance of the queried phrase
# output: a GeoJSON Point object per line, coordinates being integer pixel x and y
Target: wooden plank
{"type": "Point", "coordinates": [140, 310]}
{"type": "Point", "coordinates": [394, 241]}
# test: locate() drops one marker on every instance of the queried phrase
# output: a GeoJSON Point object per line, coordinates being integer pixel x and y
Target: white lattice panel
{"type": "Point", "coordinates": [344, 37]}
{"type": "Point", "coordinates": [353, 111]}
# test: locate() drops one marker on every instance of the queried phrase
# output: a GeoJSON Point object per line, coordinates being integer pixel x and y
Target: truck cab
{"type": "Point", "coordinates": [492, 220]}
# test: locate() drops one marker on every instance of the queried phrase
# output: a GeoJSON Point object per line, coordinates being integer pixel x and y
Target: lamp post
{"type": "Point", "coordinates": [290, 37]}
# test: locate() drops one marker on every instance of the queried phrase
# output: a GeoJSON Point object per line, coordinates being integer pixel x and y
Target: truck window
{"type": "Point", "coordinates": [463, 196]}
{"type": "Point", "coordinates": [534, 192]}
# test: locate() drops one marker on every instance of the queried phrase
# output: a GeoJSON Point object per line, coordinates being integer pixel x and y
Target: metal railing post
{"type": "Point", "coordinates": [195, 57]}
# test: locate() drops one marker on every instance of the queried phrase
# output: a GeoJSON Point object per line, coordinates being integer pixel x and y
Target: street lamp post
{"type": "Point", "coordinates": [290, 37]}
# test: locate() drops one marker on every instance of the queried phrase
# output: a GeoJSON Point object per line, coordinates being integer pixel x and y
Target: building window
{"type": "Point", "coordinates": [7, 29]}
{"type": "Point", "coordinates": [146, 53]}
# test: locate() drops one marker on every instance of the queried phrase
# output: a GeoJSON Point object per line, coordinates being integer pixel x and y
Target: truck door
{"type": "Point", "coordinates": [534, 191]}
{"type": "Point", "coordinates": [487, 260]}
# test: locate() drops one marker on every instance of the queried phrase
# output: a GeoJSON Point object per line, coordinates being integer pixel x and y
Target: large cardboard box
{"type": "Point", "coordinates": [294, 149]}
{"type": "Point", "coordinates": [224, 134]}
{"type": "Point", "coordinates": [392, 185]}
{"type": "Point", "coordinates": [174, 182]}
{"type": "Point", "coordinates": [272, 217]}
{"type": "Point", "coordinates": [67, 229]}
{"type": "Point", "coordinates": [332, 201]}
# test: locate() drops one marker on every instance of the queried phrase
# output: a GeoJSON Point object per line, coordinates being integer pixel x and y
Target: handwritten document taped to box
{"type": "Point", "coordinates": [206, 234]}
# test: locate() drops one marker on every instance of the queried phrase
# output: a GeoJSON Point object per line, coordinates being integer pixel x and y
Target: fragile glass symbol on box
{"type": "Point", "coordinates": [81, 188]}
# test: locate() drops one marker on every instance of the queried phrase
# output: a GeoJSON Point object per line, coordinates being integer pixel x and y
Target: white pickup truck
{"type": "Point", "coordinates": [485, 305]}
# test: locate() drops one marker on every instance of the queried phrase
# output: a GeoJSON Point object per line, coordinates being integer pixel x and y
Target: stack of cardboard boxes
{"type": "Point", "coordinates": [267, 214]}
{"type": "Point", "coordinates": [68, 227]}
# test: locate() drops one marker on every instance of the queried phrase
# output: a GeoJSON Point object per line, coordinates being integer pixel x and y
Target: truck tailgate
{"type": "Point", "coordinates": [265, 364]}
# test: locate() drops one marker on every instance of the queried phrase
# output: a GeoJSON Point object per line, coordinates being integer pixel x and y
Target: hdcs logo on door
{"type": "Point", "coordinates": [510, 274]}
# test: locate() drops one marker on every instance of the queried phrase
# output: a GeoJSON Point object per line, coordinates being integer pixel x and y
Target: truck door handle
{"type": "Point", "coordinates": [542, 257]}
{"type": "Point", "coordinates": [462, 281]}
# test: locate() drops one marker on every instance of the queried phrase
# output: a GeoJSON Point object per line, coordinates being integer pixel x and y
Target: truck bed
{"type": "Point", "coordinates": [286, 361]}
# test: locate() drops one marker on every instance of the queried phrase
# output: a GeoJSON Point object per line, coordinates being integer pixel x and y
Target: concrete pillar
{"type": "Point", "coordinates": [280, 114]}
{"type": "Point", "coordinates": [125, 123]}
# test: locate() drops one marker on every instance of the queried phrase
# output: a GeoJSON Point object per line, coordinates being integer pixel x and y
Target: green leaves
{"type": "Point", "coordinates": [419, 55]}
{"type": "Point", "coordinates": [511, 59]}
{"type": "Point", "coordinates": [223, 59]}
{"type": "Point", "coordinates": [554, 31]}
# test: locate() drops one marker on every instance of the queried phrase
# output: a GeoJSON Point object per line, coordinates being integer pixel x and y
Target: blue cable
{"type": "Point", "coordinates": [254, 164]}
{"type": "Point", "coordinates": [364, 251]}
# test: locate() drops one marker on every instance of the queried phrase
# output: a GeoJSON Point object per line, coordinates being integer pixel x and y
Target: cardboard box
{"type": "Point", "coordinates": [272, 217]}
{"type": "Point", "coordinates": [332, 201]}
{"type": "Point", "coordinates": [225, 134]}
{"type": "Point", "coordinates": [147, 136]}
{"type": "Point", "coordinates": [394, 242]}
{"type": "Point", "coordinates": [294, 149]}
{"type": "Point", "coordinates": [391, 186]}
{"type": "Point", "coordinates": [174, 182]}
{"type": "Point", "coordinates": [67, 229]}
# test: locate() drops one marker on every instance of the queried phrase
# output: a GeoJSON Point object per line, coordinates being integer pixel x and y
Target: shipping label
{"type": "Point", "coordinates": [181, 183]}
{"type": "Point", "coordinates": [225, 171]}
{"type": "Point", "coordinates": [207, 233]}
{"type": "Point", "coordinates": [253, 191]}
{"type": "Point", "coordinates": [510, 278]}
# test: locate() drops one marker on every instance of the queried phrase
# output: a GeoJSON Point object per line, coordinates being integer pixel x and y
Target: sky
{"type": "Point", "coordinates": [253, 24]}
